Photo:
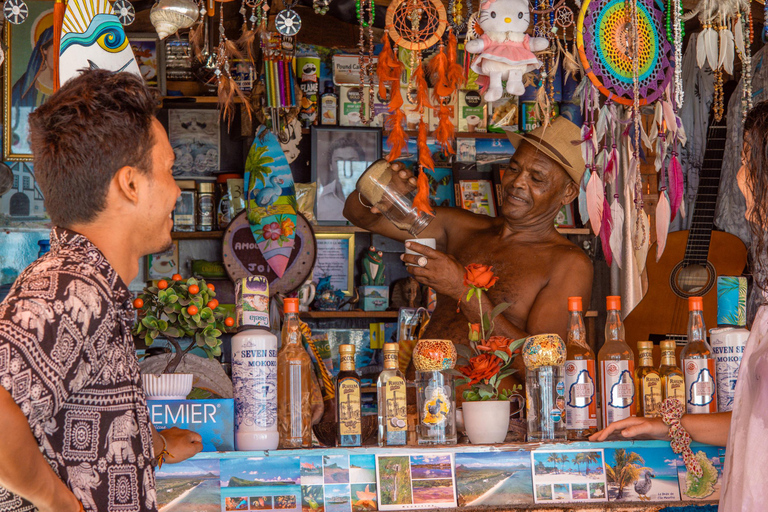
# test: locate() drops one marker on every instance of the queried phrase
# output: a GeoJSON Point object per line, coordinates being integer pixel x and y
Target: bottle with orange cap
{"type": "Point", "coordinates": [294, 381]}
{"type": "Point", "coordinates": [580, 383]}
{"type": "Point", "coordinates": [698, 363]}
{"type": "Point", "coordinates": [617, 368]}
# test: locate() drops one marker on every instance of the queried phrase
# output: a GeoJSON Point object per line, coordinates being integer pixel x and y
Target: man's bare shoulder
{"type": "Point", "coordinates": [570, 257]}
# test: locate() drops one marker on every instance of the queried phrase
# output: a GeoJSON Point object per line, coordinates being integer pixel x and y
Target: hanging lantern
{"type": "Point", "coordinates": [170, 16]}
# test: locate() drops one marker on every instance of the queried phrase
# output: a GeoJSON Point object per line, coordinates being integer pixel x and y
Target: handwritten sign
{"type": "Point", "coordinates": [333, 260]}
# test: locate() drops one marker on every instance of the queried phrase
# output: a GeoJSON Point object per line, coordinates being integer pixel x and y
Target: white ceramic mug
{"type": "Point", "coordinates": [429, 242]}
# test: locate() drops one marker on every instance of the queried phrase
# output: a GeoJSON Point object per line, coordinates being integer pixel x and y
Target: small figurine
{"type": "Point", "coordinates": [505, 50]}
{"type": "Point", "coordinates": [406, 293]}
{"type": "Point", "coordinates": [327, 297]}
{"type": "Point", "coordinates": [373, 268]}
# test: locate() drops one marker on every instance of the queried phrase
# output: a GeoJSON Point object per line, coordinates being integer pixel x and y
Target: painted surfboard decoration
{"type": "Point", "coordinates": [92, 37]}
{"type": "Point", "coordinates": [272, 203]}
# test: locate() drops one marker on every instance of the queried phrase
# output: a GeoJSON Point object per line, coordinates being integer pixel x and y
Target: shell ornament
{"type": "Point", "coordinates": [170, 16]}
{"type": "Point", "coordinates": [543, 350]}
{"type": "Point", "coordinates": [124, 11]}
{"type": "Point", "coordinates": [288, 22]}
{"type": "Point", "coordinates": [16, 11]}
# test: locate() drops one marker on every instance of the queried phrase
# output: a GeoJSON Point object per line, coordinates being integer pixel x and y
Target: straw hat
{"type": "Point", "coordinates": [557, 142]}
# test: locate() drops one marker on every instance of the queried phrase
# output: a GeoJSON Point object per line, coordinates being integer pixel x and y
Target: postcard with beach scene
{"type": "Point", "coordinates": [189, 486]}
{"type": "Point", "coordinates": [642, 474]}
{"type": "Point", "coordinates": [311, 470]}
{"type": "Point", "coordinates": [415, 481]}
{"type": "Point", "coordinates": [493, 478]}
{"type": "Point", "coordinates": [261, 483]}
{"type": "Point", "coordinates": [711, 459]}
{"type": "Point", "coordinates": [562, 469]}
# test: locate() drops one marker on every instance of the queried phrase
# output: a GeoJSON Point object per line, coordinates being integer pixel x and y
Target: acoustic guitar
{"type": "Point", "coordinates": [691, 262]}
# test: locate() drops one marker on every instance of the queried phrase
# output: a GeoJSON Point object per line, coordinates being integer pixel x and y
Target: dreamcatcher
{"type": "Point", "coordinates": [417, 25]}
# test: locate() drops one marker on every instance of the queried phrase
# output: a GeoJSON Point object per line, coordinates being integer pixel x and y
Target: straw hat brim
{"type": "Point", "coordinates": [549, 150]}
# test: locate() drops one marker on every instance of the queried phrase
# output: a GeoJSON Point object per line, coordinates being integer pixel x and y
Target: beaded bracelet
{"type": "Point", "coordinates": [671, 412]}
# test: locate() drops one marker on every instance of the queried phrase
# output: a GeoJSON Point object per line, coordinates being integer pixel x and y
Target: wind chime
{"type": "Point", "coordinates": [727, 29]}
{"type": "Point", "coordinates": [417, 25]}
{"type": "Point", "coordinates": [628, 60]}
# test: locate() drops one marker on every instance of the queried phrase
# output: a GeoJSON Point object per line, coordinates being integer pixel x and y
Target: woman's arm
{"type": "Point", "coordinates": [704, 428]}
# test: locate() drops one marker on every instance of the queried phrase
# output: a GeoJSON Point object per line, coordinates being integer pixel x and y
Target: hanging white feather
{"type": "Point", "coordinates": [602, 123]}
{"type": "Point", "coordinates": [701, 48]}
{"type": "Point", "coordinates": [644, 136]}
{"type": "Point", "coordinates": [595, 197]}
{"type": "Point", "coordinates": [738, 36]}
{"type": "Point", "coordinates": [583, 211]}
{"type": "Point", "coordinates": [617, 232]}
{"type": "Point", "coordinates": [663, 213]}
{"type": "Point", "coordinates": [633, 169]}
{"type": "Point", "coordinates": [711, 40]}
{"type": "Point", "coordinates": [726, 51]}
{"type": "Point", "coordinates": [641, 237]}
{"type": "Point", "coordinates": [669, 116]}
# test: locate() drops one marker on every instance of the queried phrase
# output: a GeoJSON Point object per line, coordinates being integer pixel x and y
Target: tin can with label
{"type": "Point", "coordinates": [205, 206]}
{"type": "Point", "coordinates": [308, 71]}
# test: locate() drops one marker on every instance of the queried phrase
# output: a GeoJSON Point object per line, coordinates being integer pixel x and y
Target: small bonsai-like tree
{"type": "Point", "coordinates": [181, 309]}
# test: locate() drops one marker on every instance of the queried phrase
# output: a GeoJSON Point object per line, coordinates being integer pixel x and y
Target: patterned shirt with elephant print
{"type": "Point", "coordinates": [67, 358]}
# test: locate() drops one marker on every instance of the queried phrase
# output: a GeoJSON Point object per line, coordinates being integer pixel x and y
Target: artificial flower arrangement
{"type": "Point", "coordinates": [488, 359]}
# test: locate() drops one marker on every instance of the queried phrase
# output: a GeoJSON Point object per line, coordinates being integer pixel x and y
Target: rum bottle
{"type": "Point", "coordinates": [647, 383]}
{"type": "Point", "coordinates": [390, 389]}
{"type": "Point", "coordinates": [617, 368]}
{"type": "Point", "coordinates": [294, 383]}
{"type": "Point", "coordinates": [348, 415]}
{"type": "Point", "coordinates": [698, 363]}
{"type": "Point", "coordinates": [580, 399]}
{"type": "Point", "coordinates": [672, 383]}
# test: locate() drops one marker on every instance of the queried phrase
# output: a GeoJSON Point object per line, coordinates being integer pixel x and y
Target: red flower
{"type": "Point", "coordinates": [272, 231]}
{"type": "Point", "coordinates": [495, 343]}
{"type": "Point", "coordinates": [480, 276]}
{"type": "Point", "coordinates": [481, 367]}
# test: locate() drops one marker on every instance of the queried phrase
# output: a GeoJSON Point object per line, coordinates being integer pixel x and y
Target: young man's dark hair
{"type": "Point", "coordinates": [99, 123]}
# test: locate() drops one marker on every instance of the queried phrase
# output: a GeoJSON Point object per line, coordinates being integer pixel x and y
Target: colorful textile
{"type": "Point", "coordinates": [671, 412]}
{"type": "Point", "coordinates": [67, 358]}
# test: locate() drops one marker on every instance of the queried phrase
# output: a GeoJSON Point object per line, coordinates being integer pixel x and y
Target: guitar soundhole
{"type": "Point", "coordinates": [692, 280]}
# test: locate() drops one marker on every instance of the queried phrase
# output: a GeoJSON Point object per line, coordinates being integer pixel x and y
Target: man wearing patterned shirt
{"type": "Point", "coordinates": [73, 416]}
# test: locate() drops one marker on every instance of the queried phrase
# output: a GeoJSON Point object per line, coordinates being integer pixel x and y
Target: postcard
{"type": "Point", "coordinates": [189, 484]}
{"type": "Point", "coordinates": [466, 150]}
{"type": "Point", "coordinates": [336, 469]}
{"type": "Point", "coordinates": [477, 197]}
{"type": "Point", "coordinates": [261, 483]}
{"type": "Point", "coordinates": [337, 498]}
{"type": "Point", "coordinates": [708, 487]}
{"type": "Point", "coordinates": [406, 482]}
{"type": "Point", "coordinates": [642, 474]}
{"type": "Point", "coordinates": [494, 479]}
{"type": "Point", "coordinates": [311, 470]}
{"type": "Point", "coordinates": [556, 472]}
{"type": "Point", "coordinates": [441, 186]}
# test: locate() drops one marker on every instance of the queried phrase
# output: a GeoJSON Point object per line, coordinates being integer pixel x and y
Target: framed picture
{"type": "Point", "coordinates": [150, 56]}
{"type": "Point", "coordinates": [441, 191]}
{"type": "Point", "coordinates": [339, 158]}
{"type": "Point", "coordinates": [564, 218]}
{"type": "Point", "coordinates": [336, 259]}
{"type": "Point", "coordinates": [28, 76]}
{"type": "Point", "coordinates": [21, 201]}
{"type": "Point", "coordinates": [195, 139]}
{"type": "Point", "coordinates": [477, 197]}
{"type": "Point", "coordinates": [163, 265]}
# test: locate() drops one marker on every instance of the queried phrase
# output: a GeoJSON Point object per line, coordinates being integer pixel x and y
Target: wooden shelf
{"type": "Point", "coordinates": [197, 235]}
{"type": "Point", "coordinates": [349, 314]}
{"type": "Point", "coordinates": [339, 229]}
{"type": "Point", "coordinates": [194, 99]}
{"type": "Point", "coordinates": [574, 231]}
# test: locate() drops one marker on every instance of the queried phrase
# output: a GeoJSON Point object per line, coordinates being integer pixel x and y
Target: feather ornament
{"type": "Point", "coordinates": [606, 228]}
{"type": "Point", "coordinates": [437, 67]}
{"type": "Point", "coordinates": [456, 76]}
{"type": "Point", "coordinates": [657, 117]}
{"type": "Point", "coordinates": [633, 170]}
{"type": "Point", "coordinates": [726, 51]}
{"type": "Point", "coordinates": [543, 106]}
{"type": "Point", "coordinates": [602, 122]}
{"type": "Point", "coordinates": [711, 40]}
{"type": "Point", "coordinates": [595, 198]}
{"type": "Point", "coordinates": [444, 133]}
{"type": "Point", "coordinates": [611, 166]}
{"type": "Point", "coordinates": [738, 35]}
{"type": "Point", "coordinates": [676, 185]}
{"type": "Point", "coordinates": [583, 211]}
{"type": "Point", "coordinates": [397, 139]}
{"type": "Point", "coordinates": [246, 40]}
{"type": "Point", "coordinates": [641, 237]}
{"type": "Point", "coordinates": [616, 241]}
{"type": "Point", "coordinates": [422, 91]}
{"type": "Point", "coordinates": [196, 36]}
{"type": "Point", "coordinates": [701, 49]}
{"type": "Point", "coordinates": [587, 132]}
{"type": "Point", "coordinates": [662, 223]}
{"type": "Point", "coordinates": [421, 201]}
{"type": "Point", "coordinates": [669, 116]}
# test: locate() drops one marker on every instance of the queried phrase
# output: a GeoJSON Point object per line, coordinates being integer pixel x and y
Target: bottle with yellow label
{"type": "Point", "coordinates": [348, 418]}
{"type": "Point", "coordinates": [647, 383]}
{"type": "Point", "coordinates": [672, 382]}
{"type": "Point", "coordinates": [393, 423]}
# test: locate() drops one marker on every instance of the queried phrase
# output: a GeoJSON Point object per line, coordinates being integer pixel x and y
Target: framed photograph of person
{"type": "Point", "coordinates": [28, 76]}
{"type": "Point", "coordinates": [149, 51]}
{"type": "Point", "coordinates": [195, 139]}
{"type": "Point", "coordinates": [339, 158]}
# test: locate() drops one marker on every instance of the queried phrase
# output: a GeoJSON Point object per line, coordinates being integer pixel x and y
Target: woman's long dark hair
{"type": "Point", "coordinates": [756, 156]}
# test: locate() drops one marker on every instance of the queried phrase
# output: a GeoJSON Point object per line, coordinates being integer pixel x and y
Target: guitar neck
{"type": "Point", "coordinates": [700, 232]}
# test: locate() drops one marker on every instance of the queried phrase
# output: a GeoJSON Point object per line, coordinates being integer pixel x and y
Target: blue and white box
{"type": "Point", "coordinates": [374, 298]}
{"type": "Point", "coordinates": [213, 419]}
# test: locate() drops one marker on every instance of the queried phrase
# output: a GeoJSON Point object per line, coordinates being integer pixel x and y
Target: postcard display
{"type": "Point", "coordinates": [412, 478]}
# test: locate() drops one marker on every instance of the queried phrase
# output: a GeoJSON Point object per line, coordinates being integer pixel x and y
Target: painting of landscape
{"type": "Point", "coordinates": [362, 468]}
{"type": "Point", "coordinates": [394, 479]}
{"type": "Point", "coordinates": [189, 486]}
{"type": "Point", "coordinates": [494, 478]}
{"type": "Point", "coordinates": [336, 469]}
{"type": "Point", "coordinates": [433, 492]}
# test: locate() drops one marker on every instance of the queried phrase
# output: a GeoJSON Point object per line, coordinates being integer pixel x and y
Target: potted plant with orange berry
{"type": "Point", "coordinates": [179, 309]}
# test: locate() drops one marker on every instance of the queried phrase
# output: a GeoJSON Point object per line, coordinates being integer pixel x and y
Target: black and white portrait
{"type": "Point", "coordinates": [339, 158]}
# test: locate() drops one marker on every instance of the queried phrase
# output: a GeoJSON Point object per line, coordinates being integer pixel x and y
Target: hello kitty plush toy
{"type": "Point", "coordinates": [505, 50]}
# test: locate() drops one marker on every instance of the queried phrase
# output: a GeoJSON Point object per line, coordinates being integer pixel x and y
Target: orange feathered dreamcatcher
{"type": "Point", "coordinates": [417, 25]}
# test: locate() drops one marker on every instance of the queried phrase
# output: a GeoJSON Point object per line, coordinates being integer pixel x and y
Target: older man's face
{"type": "Point", "coordinates": [535, 187]}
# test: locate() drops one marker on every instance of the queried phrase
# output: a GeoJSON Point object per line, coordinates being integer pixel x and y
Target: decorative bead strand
{"type": "Point", "coordinates": [678, 37]}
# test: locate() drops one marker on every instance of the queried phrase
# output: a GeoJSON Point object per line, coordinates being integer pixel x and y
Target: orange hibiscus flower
{"type": "Point", "coordinates": [287, 227]}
